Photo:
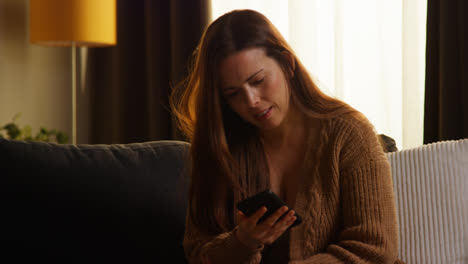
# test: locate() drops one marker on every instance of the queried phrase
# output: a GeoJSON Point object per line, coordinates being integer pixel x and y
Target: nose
{"type": "Point", "coordinates": [252, 97]}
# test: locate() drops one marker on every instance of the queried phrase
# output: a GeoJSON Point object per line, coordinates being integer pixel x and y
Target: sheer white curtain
{"type": "Point", "coordinates": [368, 53]}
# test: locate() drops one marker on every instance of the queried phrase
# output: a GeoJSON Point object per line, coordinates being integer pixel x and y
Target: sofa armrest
{"type": "Point", "coordinates": [431, 184]}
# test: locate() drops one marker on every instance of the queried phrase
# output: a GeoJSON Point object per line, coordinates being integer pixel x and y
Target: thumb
{"type": "Point", "coordinates": [241, 216]}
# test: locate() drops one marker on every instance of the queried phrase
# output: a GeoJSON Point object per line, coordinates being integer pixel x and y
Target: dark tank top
{"type": "Point", "coordinates": [278, 252]}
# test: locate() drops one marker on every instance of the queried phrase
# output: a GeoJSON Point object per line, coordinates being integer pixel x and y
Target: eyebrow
{"type": "Point", "coordinates": [248, 79]}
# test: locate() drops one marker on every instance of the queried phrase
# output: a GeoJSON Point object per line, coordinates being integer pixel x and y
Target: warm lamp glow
{"type": "Point", "coordinates": [90, 23]}
{"type": "Point", "coordinates": [73, 23]}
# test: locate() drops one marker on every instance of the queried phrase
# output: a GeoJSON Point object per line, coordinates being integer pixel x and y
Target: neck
{"type": "Point", "coordinates": [289, 134]}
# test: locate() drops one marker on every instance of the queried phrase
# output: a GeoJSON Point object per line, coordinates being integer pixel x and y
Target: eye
{"type": "Point", "coordinates": [257, 82]}
{"type": "Point", "coordinates": [230, 92]}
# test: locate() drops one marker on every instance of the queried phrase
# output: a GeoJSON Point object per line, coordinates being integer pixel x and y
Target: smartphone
{"type": "Point", "coordinates": [268, 199]}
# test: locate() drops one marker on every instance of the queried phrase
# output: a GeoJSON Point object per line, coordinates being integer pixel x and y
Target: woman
{"type": "Point", "coordinates": [256, 120]}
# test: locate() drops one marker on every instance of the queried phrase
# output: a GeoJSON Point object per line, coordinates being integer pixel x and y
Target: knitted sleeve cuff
{"type": "Point", "coordinates": [231, 250]}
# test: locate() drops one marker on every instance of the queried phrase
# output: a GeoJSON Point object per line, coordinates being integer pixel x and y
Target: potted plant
{"type": "Point", "coordinates": [13, 131]}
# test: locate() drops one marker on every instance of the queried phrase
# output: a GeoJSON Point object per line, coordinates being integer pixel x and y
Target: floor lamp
{"type": "Point", "coordinates": [73, 23]}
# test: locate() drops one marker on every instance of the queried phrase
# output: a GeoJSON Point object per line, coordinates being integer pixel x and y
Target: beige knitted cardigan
{"type": "Point", "coordinates": [346, 201]}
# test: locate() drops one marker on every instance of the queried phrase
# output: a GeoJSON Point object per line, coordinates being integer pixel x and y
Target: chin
{"type": "Point", "coordinates": [268, 126]}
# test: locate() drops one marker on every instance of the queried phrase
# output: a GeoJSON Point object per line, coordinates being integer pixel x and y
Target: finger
{"type": "Point", "coordinates": [270, 221]}
{"type": "Point", "coordinates": [241, 216]}
{"type": "Point", "coordinates": [205, 259]}
{"type": "Point", "coordinates": [283, 223]}
{"type": "Point", "coordinates": [258, 214]}
{"type": "Point", "coordinates": [293, 219]}
{"type": "Point", "coordinates": [287, 218]}
{"type": "Point", "coordinates": [279, 228]}
{"type": "Point", "coordinates": [289, 221]}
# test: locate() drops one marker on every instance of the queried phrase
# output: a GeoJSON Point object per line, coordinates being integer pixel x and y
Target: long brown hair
{"type": "Point", "coordinates": [228, 162]}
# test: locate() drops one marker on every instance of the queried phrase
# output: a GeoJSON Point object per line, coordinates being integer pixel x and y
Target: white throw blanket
{"type": "Point", "coordinates": [431, 192]}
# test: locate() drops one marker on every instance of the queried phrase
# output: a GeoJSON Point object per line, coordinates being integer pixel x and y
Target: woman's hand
{"type": "Point", "coordinates": [255, 235]}
{"type": "Point", "coordinates": [205, 260]}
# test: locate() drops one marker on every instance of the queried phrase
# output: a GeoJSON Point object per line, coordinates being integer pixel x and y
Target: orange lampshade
{"type": "Point", "coordinates": [89, 23]}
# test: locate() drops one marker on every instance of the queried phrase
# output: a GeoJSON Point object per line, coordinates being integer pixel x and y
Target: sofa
{"type": "Point", "coordinates": [431, 196]}
{"type": "Point", "coordinates": [122, 203]}
{"type": "Point", "coordinates": [127, 202]}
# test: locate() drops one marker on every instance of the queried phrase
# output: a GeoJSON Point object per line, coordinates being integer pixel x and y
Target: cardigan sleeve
{"type": "Point", "coordinates": [368, 232]}
{"type": "Point", "coordinates": [222, 248]}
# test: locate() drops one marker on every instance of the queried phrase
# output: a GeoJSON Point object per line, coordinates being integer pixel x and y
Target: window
{"type": "Point", "coordinates": [368, 53]}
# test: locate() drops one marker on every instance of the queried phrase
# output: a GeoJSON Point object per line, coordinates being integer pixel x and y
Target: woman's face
{"type": "Point", "coordinates": [255, 87]}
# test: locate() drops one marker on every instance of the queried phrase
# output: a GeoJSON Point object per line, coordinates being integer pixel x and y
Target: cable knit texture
{"type": "Point", "coordinates": [346, 201]}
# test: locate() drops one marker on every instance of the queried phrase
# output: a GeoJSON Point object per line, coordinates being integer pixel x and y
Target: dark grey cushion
{"type": "Point", "coordinates": [93, 203]}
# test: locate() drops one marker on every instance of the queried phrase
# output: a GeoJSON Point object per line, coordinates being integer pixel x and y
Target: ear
{"type": "Point", "coordinates": [292, 62]}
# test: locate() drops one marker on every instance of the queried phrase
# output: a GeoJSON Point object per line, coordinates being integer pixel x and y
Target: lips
{"type": "Point", "coordinates": [264, 114]}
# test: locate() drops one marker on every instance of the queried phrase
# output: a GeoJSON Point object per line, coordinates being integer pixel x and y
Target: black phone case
{"type": "Point", "coordinates": [268, 199]}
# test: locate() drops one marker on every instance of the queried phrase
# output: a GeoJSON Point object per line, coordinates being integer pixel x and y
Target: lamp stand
{"type": "Point", "coordinates": [73, 50]}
